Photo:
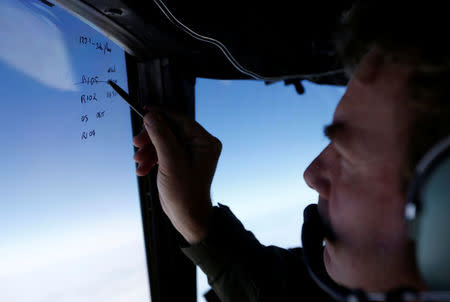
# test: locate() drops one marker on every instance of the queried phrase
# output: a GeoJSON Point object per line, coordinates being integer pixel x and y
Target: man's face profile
{"type": "Point", "coordinates": [358, 180]}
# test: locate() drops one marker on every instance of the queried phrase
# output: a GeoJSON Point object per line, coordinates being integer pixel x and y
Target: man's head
{"type": "Point", "coordinates": [358, 178]}
{"type": "Point", "coordinates": [397, 90]}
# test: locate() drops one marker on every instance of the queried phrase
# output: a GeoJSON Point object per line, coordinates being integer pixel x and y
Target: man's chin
{"type": "Point", "coordinates": [332, 267]}
{"type": "Point", "coordinates": [326, 221]}
{"type": "Point", "coordinates": [328, 260]}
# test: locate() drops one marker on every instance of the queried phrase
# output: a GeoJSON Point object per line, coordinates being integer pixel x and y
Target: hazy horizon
{"type": "Point", "coordinates": [70, 216]}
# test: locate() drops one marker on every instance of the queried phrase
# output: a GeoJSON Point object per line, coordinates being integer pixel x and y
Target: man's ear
{"type": "Point", "coordinates": [370, 65]}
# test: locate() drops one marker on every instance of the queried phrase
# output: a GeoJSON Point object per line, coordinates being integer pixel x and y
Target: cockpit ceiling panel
{"type": "Point", "coordinates": [286, 38]}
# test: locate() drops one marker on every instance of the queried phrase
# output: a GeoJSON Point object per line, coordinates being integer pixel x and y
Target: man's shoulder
{"type": "Point", "coordinates": [231, 254]}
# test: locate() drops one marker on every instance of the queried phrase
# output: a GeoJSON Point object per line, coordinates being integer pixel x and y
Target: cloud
{"type": "Point", "coordinates": [115, 275]}
{"type": "Point", "coordinates": [97, 262]}
{"type": "Point", "coordinates": [33, 44]}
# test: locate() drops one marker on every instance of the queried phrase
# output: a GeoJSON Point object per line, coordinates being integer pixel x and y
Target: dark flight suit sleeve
{"type": "Point", "coordinates": [239, 268]}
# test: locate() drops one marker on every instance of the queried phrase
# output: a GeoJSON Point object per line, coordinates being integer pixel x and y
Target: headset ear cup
{"type": "Point", "coordinates": [428, 216]}
{"type": "Point", "coordinates": [433, 228]}
{"type": "Point", "coordinates": [413, 226]}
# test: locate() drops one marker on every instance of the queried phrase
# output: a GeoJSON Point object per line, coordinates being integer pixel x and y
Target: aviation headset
{"type": "Point", "coordinates": [427, 213]}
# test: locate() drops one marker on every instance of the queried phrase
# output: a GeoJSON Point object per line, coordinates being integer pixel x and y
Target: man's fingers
{"type": "Point", "coordinates": [146, 153]}
{"type": "Point", "coordinates": [146, 158]}
{"type": "Point", "coordinates": [162, 136]}
{"type": "Point", "coordinates": [186, 127]}
{"type": "Point", "coordinates": [144, 168]}
{"type": "Point", "coordinates": [142, 139]}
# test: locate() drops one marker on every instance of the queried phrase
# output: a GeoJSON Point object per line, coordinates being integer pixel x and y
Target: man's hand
{"type": "Point", "coordinates": [187, 157]}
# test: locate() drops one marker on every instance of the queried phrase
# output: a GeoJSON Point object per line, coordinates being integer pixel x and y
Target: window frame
{"type": "Point", "coordinates": [159, 81]}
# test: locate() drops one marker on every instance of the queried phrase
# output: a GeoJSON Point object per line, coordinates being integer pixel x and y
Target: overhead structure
{"type": "Point", "coordinates": [288, 40]}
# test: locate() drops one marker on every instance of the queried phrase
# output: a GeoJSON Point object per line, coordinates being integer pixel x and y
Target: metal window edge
{"type": "Point", "coordinates": [108, 27]}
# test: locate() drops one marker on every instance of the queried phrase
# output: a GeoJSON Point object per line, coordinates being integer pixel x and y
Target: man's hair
{"type": "Point", "coordinates": [411, 32]}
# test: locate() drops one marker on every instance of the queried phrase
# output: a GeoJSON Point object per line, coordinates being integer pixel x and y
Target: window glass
{"type": "Point", "coordinates": [270, 134]}
{"type": "Point", "coordinates": [70, 222]}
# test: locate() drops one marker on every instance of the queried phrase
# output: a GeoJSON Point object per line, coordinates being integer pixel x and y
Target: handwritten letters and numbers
{"type": "Point", "coordinates": [111, 94]}
{"type": "Point", "coordinates": [85, 117]}
{"type": "Point", "coordinates": [88, 98]}
{"type": "Point", "coordinates": [95, 90]}
{"type": "Point", "coordinates": [102, 47]}
{"type": "Point", "coordinates": [112, 69]}
{"type": "Point", "coordinates": [100, 114]}
{"type": "Point", "coordinates": [86, 134]}
{"type": "Point", "coordinates": [89, 80]}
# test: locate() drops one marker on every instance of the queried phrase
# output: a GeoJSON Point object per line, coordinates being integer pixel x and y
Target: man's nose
{"type": "Point", "coordinates": [317, 175]}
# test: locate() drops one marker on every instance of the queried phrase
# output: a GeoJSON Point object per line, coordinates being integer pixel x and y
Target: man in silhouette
{"type": "Point", "coordinates": [396, 106]}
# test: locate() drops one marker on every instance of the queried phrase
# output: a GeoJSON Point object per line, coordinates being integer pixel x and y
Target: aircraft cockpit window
{"type": "Point", "coordinates": [70, 221]}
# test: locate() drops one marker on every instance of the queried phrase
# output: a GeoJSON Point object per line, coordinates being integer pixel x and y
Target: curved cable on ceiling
{"type": "Point", "coordinates": [230, 57]}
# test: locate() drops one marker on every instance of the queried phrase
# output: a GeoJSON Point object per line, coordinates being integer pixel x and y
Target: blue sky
{"type": "Point", "coordinates": [270, 134]}
{"type": "Point", "coordinates": [69, 216]}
